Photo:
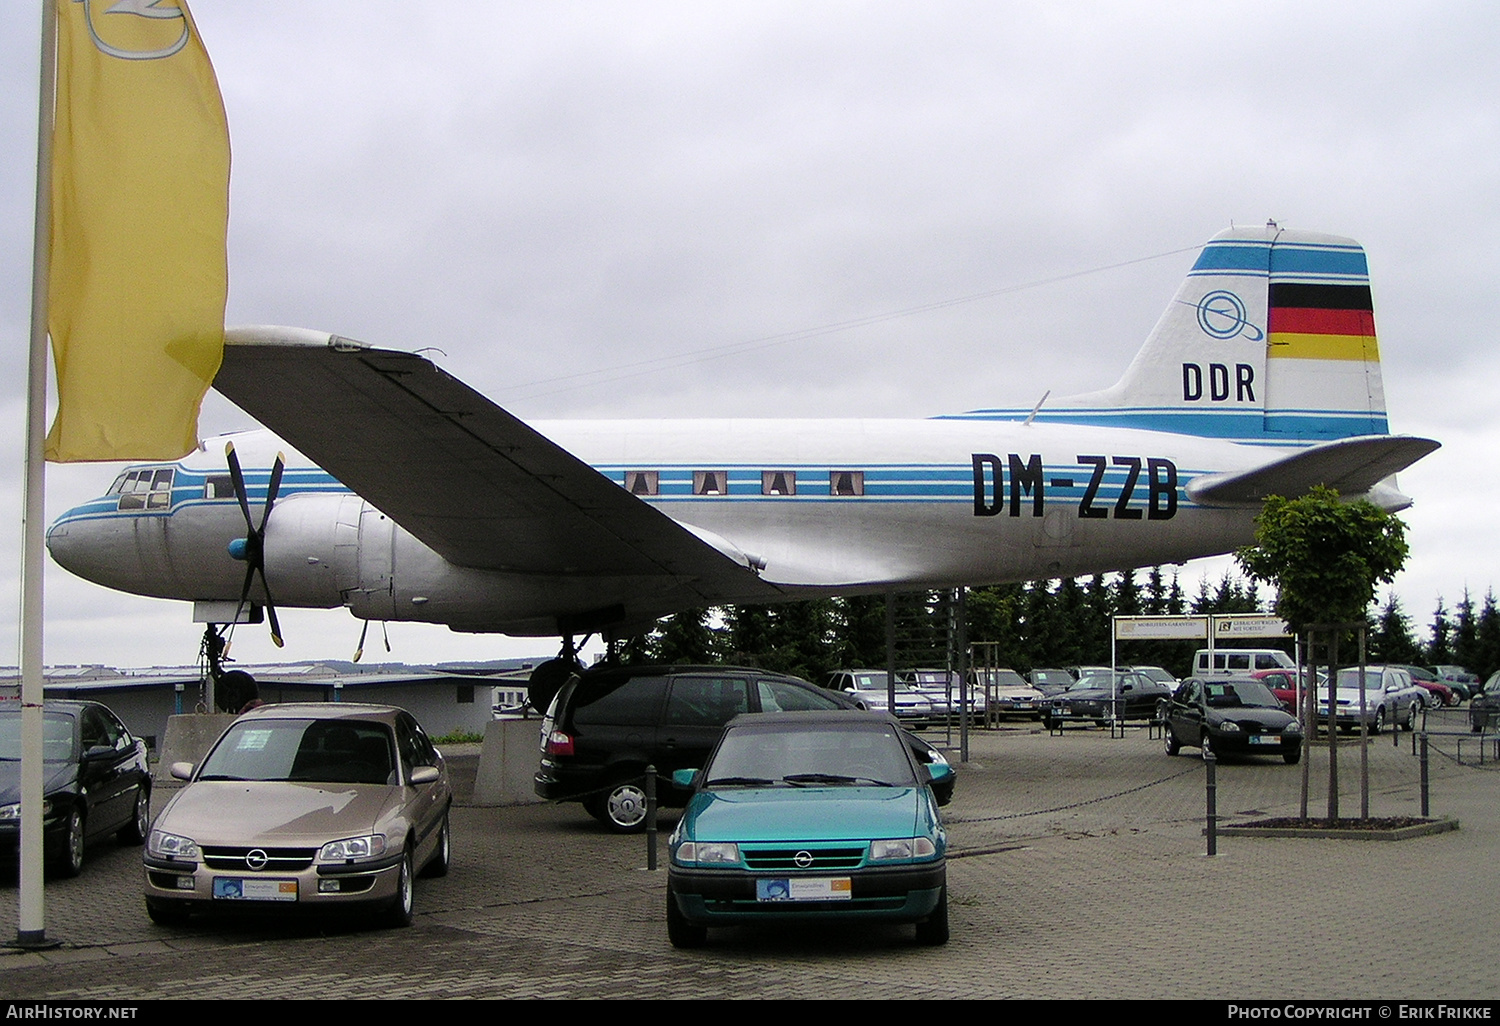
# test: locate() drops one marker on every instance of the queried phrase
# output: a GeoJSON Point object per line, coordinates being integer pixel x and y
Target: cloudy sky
{"type": "Point", "coordinates": [654, 209]}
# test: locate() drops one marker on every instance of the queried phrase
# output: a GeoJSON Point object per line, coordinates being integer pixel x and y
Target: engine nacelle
{"type": "Point", "coordinates": [312, 549]}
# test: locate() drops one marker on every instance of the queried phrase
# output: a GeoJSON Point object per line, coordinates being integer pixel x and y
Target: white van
{"type": "Point", "coordinates": [1241, 660]}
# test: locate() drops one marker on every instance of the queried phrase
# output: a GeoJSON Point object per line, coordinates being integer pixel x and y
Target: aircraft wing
{"type": "Point", "coordinates": [468, 479]}
{"type": "Point", "coordinates": [1353, 466]}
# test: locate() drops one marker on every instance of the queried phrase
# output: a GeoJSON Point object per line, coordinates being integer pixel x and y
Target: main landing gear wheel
{"type": "Point", "coordinates": [547, 680]}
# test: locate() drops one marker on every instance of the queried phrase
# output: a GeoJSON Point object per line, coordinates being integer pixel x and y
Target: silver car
{"type": "Point", "coordinates": [303, 808]}
{"type": "Point", "coordinates": [1390, 698]}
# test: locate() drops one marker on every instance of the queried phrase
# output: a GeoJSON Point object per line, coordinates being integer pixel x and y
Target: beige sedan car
{"type": "Point", "coordinates": [323, 807]}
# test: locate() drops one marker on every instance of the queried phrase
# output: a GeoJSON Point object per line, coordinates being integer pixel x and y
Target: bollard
{"type": "Point", "coordinates": [1211, 762]}
{"type": "Point", "coordinates": [1426, 805]}
{"type": "Point", "coordinates": [651, 818]}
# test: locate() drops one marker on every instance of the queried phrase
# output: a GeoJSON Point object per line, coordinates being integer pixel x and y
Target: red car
{"type": "Point", "coordinates": [1283, 684]}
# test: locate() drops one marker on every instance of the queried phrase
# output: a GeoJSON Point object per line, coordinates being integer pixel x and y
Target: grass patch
{"type": "Point", "coordinates": [459, 737]}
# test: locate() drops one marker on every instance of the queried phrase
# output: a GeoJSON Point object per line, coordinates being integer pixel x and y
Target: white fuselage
{"type": "Point", "coordinates": [820, 507]}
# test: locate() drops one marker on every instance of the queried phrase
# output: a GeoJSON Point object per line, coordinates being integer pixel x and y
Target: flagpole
{"type": "Point", "coordinates": [31, 928]}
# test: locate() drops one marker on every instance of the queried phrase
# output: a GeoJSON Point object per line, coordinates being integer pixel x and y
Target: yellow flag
{"type": "Point", "coordinates": [140, 209]}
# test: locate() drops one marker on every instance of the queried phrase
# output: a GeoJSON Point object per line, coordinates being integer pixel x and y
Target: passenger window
{"type": "Point", "coordinates": [710, 482]}
{"type": "Point", "coordinates": [218, 486]}
{"type": "Point", "coordinates": [636, 700]}
{"type": "Point", "coordinates": [642, 482]}
{"type": "Point", "coordinates": [706, 701]}
{"type": "Point", "coordinates": [778, 482]}
{"type": "Point", "coordinates": [846, 482]}
{"type": "Point", "coordinates": [778, 696]}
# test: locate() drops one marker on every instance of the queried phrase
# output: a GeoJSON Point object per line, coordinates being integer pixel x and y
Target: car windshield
{"type": "Point", "coordinates": [307, 750]}
{"type": "Point", "coordinates": [1240, 694]}
{"type": "Point", "coordinates": [788, 756]}
{"type": "Point", "coordinates": [1350, 679]}
{"type": "Point", "coordinates": [57, 737]}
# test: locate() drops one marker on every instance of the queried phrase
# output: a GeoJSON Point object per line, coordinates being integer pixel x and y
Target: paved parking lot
{"type": "Point", "coordinates": [1077, 870]}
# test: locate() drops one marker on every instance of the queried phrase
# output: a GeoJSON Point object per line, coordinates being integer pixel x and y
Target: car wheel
{"type": "Point", "coordinates": [625, 809]}
{"type": "Point", "coordinates": [1379, 723]}
{"type": "Point", "coordinates": [1205, 747]}
{"type": "Point", "coordinates": [1293, 756]}
{"type": "Point", "coordinates": [70, 858]}
{"type": "Point", "coordinates": [680, 932]}
{"type": "Point", "coordinates": [166, 913]}
{"type": "Point", "coordinates": [1173, 745]}
{"type": "Point", "coordinates": [1411, 718]}
{"type": "Point", "coordinates": [438, 864]}
{"type": "Point", "coordinates": [934, 929]}
{"type": "Point", "coordinates": [140, 820]}
{"type": "Point", "coordinates": [400, 912]}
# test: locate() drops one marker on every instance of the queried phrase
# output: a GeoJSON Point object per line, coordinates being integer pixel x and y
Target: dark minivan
{"type": "Point", "coordinates": [603, 728]}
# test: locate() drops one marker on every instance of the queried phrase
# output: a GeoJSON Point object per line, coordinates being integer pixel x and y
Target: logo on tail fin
{"type": "Point", "coordinates": [1221, 314]}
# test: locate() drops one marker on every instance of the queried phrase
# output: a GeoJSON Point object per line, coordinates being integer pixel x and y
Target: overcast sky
{"type": "Point", "coordinates": [552, 193]}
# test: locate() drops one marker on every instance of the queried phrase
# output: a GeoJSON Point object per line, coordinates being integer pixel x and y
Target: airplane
{"type": "Point", "coordinates": [393, 489]}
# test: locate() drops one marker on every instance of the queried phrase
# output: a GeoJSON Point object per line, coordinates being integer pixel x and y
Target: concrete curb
{"type": "Point", "coordinates": [1437, 826]}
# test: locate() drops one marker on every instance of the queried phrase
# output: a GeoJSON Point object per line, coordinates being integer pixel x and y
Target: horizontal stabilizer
{"type": "Point", "coordinates": [1352, 466]}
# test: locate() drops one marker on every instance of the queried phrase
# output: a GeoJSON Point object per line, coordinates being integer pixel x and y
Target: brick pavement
{"type": "Point", "coordinates": [1078, 870]}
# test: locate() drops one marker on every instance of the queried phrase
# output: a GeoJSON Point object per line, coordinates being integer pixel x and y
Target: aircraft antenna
{"type": "Point", "coordinates": [1032, 415]}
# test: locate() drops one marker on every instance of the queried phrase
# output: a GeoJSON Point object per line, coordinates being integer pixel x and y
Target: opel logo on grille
{"type": "Point", "coordinates": [256, 859]}
{"type": "Point", "coordinates": [803, 859]}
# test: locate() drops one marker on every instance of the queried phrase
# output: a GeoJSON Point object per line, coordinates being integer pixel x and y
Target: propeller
{"type": "Point", "coordinates": [252, 548]}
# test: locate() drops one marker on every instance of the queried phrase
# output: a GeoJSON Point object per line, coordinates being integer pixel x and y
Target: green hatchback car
{"type": "Point", "coordinates": [809, 816]}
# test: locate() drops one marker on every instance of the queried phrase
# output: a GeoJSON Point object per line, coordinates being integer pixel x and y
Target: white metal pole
{"type": "Point", "coordinates": [31, 926]}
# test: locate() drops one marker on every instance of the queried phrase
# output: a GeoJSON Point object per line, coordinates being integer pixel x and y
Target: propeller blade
{"type": "Point", "coordinates": [271, 616]}
{"type": "Point", "coordinates": [255, 538]}
{"type": "Point", "coordinates": [271, 489]}
{"type": "Point", "coordinates": [238, 477]}
{"type": "Point", "coordinates": [359, 649]}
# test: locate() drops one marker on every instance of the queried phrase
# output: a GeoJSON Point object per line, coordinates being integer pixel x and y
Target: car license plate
{"type": "Point", "coordinates": [834, 888]}
{"type": "Point", "coordinates": [230, 888]}
{"type": "Point", "coordinates": [1265, 739]}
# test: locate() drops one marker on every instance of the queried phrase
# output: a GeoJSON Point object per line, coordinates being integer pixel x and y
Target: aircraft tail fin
{"type": "Point", "coordinates": [1270, 339]}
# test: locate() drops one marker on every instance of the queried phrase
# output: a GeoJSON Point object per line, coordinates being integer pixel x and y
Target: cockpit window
{"type": "Point", "coordinates": [148, 488]}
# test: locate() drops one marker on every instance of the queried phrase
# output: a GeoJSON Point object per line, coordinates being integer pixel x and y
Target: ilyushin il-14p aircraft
{"type": "Point", "coordinates": [404, 494]}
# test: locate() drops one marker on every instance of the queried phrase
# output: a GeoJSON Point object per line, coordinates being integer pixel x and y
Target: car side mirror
{"type": "Point", "coordinates": [424, 775]}
{"type": "Point", "coordinates": [182, 770]}
{"type": "Point", "coordinates": [686, 779]}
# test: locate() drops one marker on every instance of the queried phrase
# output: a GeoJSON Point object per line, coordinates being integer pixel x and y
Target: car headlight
{"type": "Point", "coordinates": [902, 848]}
{"type": "Point", "coordinates": [353, 849]}
{"type": "Point", "coordinates": [1229, 727]}
{"type": "Point", "coordinates": [1292, 728]}
{"type": "Point", "coordinates": [13, 810]}
{"type": "Point", "coordinates": [173, 846]}
{"type": "Point", "coordinates": [707, 853]}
